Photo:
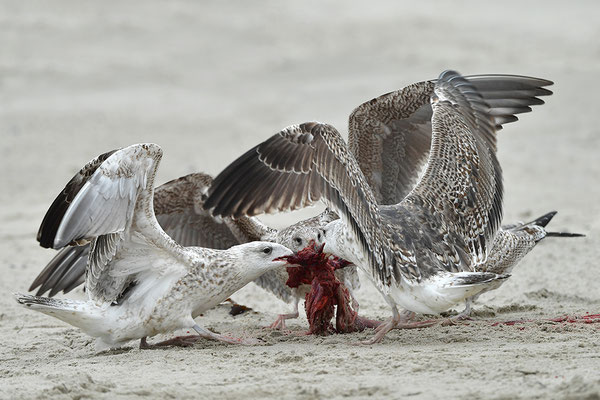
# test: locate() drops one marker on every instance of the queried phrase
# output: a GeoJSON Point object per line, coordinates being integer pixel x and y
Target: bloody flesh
{"type": "Point", "coordinates": [317, 269]}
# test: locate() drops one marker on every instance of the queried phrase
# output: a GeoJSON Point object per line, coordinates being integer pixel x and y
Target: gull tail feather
{"type": "Point", "coordinates": [458, 286]}
{"type": "Point", "coordinates": [544, 220]}
{"type": "Point", "coordinates": [462, 279]}
{"type": "Point", "coordinates": [564, 234]}
{"type": "Point", "coordinates": [80, 314]}
{"type": "Point", "coordinates": [445, 290]}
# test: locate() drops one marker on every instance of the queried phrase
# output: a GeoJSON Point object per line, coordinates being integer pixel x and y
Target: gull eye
{"type": "Point", "coordinates": [267, 250]}
{"type": "Point", "coordinates": [298, 241]}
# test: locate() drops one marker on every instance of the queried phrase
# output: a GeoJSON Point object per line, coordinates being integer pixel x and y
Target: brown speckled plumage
{"type": "Point", "coordinates": [445, 224]}
{"type": "Point", "coordinates": [390, 137]}
{"type": "Point", "coordinates": [513, 242]}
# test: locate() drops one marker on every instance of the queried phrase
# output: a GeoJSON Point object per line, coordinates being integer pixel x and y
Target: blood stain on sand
{"type": "Point", "coordinates": [584, 319]}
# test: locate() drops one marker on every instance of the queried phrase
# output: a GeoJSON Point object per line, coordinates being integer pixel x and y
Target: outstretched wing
{"type": "Point", "coordinates": [461, 185]}
{"type": "Point", "coordinates": [178, 209]}
{"type": "Point", "coordinates": [295, 168]}
{"type": "Point", "coordinates": [98, 205]}
{"type": "Point", "coordinates": [101, 198]}
{"type": "Point", "coordinates": [463, 178]}
{"type": "Point", "coordinates": [391, 135]}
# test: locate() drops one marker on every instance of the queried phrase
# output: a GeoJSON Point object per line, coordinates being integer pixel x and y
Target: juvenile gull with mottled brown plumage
{"type": "Point", "coordinates": [421, 252]}
{"type": "Point", "coordinates": [390, 136]}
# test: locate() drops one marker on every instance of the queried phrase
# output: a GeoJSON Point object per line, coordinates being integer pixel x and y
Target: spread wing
{"type": "Point", "coordinates": [461, 185]}
{"type": "Point", "coordinates": [98, 205]}
{"type": "Point", "coordinates": [463, 179]}
{"type": "Point", "coordinates": [101, 198]}
{"type": "Point", "coordinates": [178, 209]}
{"type": "Point", "coordinates": [391, 135]}
{"type": "Point", "coordinates": [295, 168]}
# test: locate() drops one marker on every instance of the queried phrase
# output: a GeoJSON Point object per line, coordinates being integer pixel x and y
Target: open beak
{"type": "Point", "coordinates": [309, 255]}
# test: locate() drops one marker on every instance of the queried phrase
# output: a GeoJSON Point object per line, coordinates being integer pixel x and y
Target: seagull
{"type": "Point", "coordinates": [138, 280]}
{"type": "Point", "coordinates": [511, 244]}
{"type": "Point", "coordinates": [178, 209]}
{"type": "Point", "coordinates": [421, 252]}
{"type": "Point", "coordinates": [390, 136]}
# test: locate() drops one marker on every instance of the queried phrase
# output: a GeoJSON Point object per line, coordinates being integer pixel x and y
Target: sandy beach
{"type": "Point", "coordinates": [208, 80]}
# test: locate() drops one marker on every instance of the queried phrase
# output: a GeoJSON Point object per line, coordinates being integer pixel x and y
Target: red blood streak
{"type": "Point", "coordinates": [584, 319]}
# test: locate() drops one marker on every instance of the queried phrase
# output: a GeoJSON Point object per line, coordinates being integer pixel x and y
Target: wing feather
{"type": "Point", "coordinates": [391, 134]}
{"type": "Point", "coordinates": [293, 169]}
{"type": "Point", "coordinates": [92, 203]}
{"type": "Point", "coordinates": [463, 179]}
{"type": "Point", "coordinates": [178, 209]}
{"type": "Point", "coordinates": [99, 207]}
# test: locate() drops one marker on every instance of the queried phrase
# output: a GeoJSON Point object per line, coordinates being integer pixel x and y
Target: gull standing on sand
{"type": "Point", "coordinates": [139, 281]}
{"type": "Point", "coordinates": [511, 244]}
{"type": "Point", "coordinates": [178, 209]}
{"type": "Point", "coordinates": [421, 253]}
{"type": "Point", "coordinates": [390, 137]}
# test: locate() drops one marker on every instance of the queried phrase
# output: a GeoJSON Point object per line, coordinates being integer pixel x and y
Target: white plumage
{"type": "Point", "coordinates": [139, 281]}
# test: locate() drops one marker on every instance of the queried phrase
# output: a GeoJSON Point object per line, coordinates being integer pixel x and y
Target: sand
{"type": "Point", "coordinates": [206, 81]}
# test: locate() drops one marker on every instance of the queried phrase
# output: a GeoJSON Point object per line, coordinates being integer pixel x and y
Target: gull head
{"type": "Point", "coordinates": [260, 257]}
{"type": "Point", "coordinates": [337, 240]}
{"type": "Point", "coordinates": [298, 236]}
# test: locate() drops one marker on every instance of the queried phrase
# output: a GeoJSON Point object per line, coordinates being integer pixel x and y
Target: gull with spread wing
{"type": "Point", "coordinates": [139, 281]}
{"type": "Point", "coordinates": [390, 136]}
{"type": "Point", "coordinates": [178, 209]}
{"type": "Point", "coordinates": [422, 253]}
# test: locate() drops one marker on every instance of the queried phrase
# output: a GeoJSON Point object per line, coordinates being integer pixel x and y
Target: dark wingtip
{"type": "Point", "coordinates": [564, 234]}
{"type": "Point", "coordinates": [544, 219]}
{"type": "Point", "coordinates": [64, 272]}
{"type": "Point", "coordinates": [547, 82]}
{"type": "Point", "coordinates": [43, 276]}
{"type": "Point", "coordinates": [51, 222]}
